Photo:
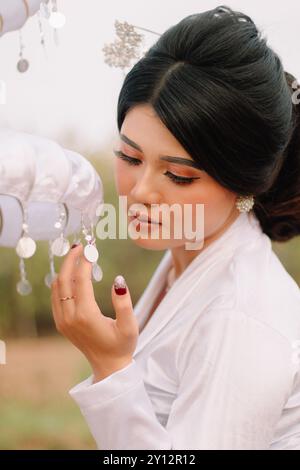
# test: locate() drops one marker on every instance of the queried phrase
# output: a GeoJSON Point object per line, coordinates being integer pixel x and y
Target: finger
{"type": "Point", "coordinates": [65, 281]}
{"type": "Point", "coordinates": [125, 318]}
{"type": "Point", "coordinates": [56, 305]}
{"type": "Point", "coordinates": [83, 280]}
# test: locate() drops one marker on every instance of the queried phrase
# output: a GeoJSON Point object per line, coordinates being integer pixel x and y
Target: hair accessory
{"type": "Point", "coordinates": [126, 46]}
{"type": "Point", "coordinates": [294, 87]}
{"type": "Point", "coordinates": [245, 203]}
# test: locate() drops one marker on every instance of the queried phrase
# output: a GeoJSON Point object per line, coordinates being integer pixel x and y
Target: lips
{"type": "Point", "coordinates": [145, 218]}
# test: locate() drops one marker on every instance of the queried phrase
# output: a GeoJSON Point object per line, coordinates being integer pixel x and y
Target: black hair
{"type": "Point", "coordinates": [222, 92]}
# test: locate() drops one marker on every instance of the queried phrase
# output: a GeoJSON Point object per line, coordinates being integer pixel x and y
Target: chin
{"type": "Point", "coordinates": [151, 244]}
{"type": "Point", "coordinates": [156, 243]}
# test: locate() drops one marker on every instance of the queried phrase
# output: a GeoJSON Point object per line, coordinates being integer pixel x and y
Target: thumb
{"type": "Point", "coordinates": [121, 299]}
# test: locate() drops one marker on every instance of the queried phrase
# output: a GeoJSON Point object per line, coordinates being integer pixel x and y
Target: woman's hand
{"type": "Point", "coordinates": [108, 344]}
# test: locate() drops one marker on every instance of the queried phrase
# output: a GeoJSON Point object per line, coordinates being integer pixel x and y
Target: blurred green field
{"type": "Point", "coordinates": [28, 426]}
{"type": "Point", "coordinates": [36, 411]}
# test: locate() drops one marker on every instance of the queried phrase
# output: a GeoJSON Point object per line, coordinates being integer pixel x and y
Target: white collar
{"type": "Point", "coordinates": [244, 230]}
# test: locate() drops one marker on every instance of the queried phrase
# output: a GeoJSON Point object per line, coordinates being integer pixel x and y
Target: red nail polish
{"type": "Point", "coordinates": [120, 285]}
{"type": "Point", "coordinates": [75, 244]}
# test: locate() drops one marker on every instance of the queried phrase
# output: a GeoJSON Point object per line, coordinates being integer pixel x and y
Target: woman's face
{"type": "Point", "coordinates": [147, 179]}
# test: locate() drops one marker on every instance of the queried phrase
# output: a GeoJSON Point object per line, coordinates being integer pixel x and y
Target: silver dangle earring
{"type": "Point", "coordinates": [245, 203]}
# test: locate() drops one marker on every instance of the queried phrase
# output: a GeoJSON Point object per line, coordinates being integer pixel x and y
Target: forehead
{"type": "Point", "coordinates": [143, 126]}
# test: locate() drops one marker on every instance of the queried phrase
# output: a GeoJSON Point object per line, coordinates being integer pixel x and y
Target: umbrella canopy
{"type": "Point", "coordinates": [47, 192]}
{"type": "Point", "coordinates": [14, 13]}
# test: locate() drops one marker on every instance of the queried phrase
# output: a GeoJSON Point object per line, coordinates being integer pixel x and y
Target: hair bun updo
{"type": "Point", "coordinates": [279, 208]}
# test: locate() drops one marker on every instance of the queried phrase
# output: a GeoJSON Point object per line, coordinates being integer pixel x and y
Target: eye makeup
{"type": "Point", "coordinates": [179, 180]}
{"type": "Point", "coordinates": [167, 158]}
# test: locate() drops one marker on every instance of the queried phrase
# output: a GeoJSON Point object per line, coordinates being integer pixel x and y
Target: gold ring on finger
{"type": "Point", "coordinates": [67, 298]}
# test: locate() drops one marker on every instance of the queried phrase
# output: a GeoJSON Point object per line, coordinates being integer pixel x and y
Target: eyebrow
{"type": "Point", "coordinates": [168, 158]}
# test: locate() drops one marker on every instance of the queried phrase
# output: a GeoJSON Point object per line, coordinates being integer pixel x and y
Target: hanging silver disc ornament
{"type": "Point", "coordinates": [22, 65]}
{"type": "Point", "coordinates": [97, 272]}
{"type": "Point", "coordinates": [91, 253]}
{"type": "Point", "coordinates": [26, 247]}
{"type": "Point", "coordinates": [60, 246]}
{"type": "Point", "coordinates": [24, 287]}
{"type": "Point", "coordinates": [49, 278]}
{"type": "Point", "coordinates": [44, 9]}
{"type": "Point", "coordinates": [99, 209]}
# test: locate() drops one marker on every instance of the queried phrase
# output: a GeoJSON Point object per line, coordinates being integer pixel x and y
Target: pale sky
{"type": "Point", "coordinates": [75, 91]}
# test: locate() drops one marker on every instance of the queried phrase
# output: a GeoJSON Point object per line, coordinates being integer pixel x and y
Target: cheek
{"type": "Point", "coordinates": [123, 177]}
{"type": "Point", "coordinates": [217, 200]}
{"type": "Point", "coordinates": [217, 203]}
{"type": "Point", "coordinates": [187, 197]}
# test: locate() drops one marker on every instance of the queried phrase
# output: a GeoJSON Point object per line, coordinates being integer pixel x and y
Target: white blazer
{"type": "Point", "coordinates": [217, 365]}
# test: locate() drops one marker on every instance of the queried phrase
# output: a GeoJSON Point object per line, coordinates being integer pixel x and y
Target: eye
{"type": "Point", "coordinates": [126, 158]}
{"type": "Point", "coordinates": [181, 180]}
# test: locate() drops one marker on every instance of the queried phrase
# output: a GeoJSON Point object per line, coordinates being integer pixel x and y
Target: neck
{"type": "Point", "coordinates": [182, 257]}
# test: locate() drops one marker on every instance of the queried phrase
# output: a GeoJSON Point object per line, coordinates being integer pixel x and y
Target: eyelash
{"type": "Point", "coordinates": [180, 180]}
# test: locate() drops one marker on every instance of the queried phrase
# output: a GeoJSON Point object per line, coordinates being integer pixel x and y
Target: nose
{"type": "Point", "coordinates": [146, 190]}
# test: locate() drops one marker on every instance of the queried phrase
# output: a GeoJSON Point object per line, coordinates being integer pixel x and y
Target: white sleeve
{"type": "Point", "coordinates": [235, 374]}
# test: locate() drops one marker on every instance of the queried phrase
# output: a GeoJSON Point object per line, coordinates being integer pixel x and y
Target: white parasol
{"type": "Point", "coordinates": [46, 193]}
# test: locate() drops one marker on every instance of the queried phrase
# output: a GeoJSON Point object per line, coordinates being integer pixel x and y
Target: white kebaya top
{"type": "Point", "coordinates": [217, 366]}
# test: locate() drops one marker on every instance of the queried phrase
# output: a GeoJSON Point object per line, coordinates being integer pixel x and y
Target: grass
{"type": "Point", "coordinates": [36, 410]}
{"type": "Point", "coordinates": [53, 426]}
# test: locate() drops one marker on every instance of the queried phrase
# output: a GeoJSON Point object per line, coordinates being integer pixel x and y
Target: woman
{"type": "Point", "coordinates": [208, 358]}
